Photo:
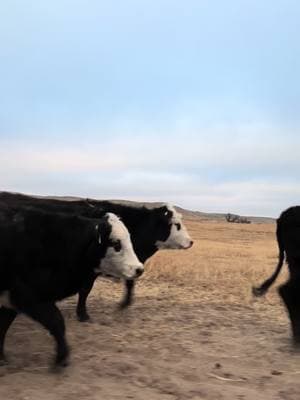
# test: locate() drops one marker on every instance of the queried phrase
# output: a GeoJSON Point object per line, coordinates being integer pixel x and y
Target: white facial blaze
{"type": "Point", "coordinates": [124, 263]}
{"type": "Point", "coordinates": [178, 238]}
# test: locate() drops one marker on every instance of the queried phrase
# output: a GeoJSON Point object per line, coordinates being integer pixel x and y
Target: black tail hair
{"type": "Point", "coordinates": [264, 287]}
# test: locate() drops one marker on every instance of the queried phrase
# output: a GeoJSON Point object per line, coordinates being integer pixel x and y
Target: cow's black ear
{"type": "Point", "coordinates": [89, 203]}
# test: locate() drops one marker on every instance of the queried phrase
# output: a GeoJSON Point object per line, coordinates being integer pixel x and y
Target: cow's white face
{"type": "Point", "coordinates": [120, 260]}
{"type": "Point", "coordinates": [178, 236]}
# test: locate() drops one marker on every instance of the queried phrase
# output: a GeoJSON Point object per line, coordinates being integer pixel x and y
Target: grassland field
{"type": "Point", "coordinates": [194, 331]}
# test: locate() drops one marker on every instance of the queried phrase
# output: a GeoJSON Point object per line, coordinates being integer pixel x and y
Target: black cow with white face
{"type": "Point", "coordinates": [288, 238]}
{"type": "Point", "coordinates": [46, 257]}
{"type": "Point", "coordinates": [151, 229]}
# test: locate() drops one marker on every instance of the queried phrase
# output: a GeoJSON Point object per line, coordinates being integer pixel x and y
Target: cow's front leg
{"type": "Point", "coordinates": [7, 317]}
{"type": "Point", "coordinates": [81, 310]}
{"type": "Point", "coordinates": [128, 296]}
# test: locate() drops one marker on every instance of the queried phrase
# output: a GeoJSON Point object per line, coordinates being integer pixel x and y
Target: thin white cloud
{"type": "Point", "coordinates": [243, 146]}
{"type": "Point", "coordinates": [254, 197]}
{"type": "Point", "coordinates": [251, 169]}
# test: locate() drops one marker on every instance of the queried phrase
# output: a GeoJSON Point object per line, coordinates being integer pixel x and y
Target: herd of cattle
{"type": "Point", "coordinates": [51, 249]}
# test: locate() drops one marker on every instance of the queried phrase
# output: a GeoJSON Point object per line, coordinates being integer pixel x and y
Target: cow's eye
{"type": "Point", "coordinates": [117, 245]}
{"type": "Point", "coordinates": [178, 226]}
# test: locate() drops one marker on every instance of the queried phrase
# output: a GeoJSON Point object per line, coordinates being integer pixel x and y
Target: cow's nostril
{"type": "Point", "coordinates": [191, 243]}
{"type": "Point", "coordinates": [139, 271]}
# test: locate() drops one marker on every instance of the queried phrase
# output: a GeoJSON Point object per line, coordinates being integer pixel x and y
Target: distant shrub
{"type": "Point", "coordinates": [237, 219]}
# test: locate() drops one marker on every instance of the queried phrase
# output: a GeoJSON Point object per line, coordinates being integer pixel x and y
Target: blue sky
{"type": "Point", "coordinates": [193, 102]}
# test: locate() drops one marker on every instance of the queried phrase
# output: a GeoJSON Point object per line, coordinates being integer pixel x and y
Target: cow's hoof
{"type": "Point", "coordinates": [62, 358]}
{"type": "Point", "coordinates": [125, 304]}
{"type": "Point", "coordinates": [57, 368]}
{"type": "Point", "coordinates": [257, 291]}
{"type": "Point", "coordinates": [296, 342]}
{"type": "Point", "coordinates": [84, 318]}
{"type": "Point", "coordinates": [3, 361]}
{"type": "Point", "coordinates": [60, 364]}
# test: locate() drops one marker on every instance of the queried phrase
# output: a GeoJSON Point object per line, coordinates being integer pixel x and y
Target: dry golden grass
{"type": "Point", "coordinates": [225, 261]}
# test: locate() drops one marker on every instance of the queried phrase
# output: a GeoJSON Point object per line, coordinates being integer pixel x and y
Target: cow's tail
{"type": "Point", "coordinates": [264, 287]}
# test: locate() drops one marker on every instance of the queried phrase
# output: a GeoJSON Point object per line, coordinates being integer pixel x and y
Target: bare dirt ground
{"type": "Point", "coordinates": [194, 331]}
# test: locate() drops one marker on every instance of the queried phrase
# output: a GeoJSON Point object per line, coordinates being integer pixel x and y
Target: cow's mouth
{"type": "Point", "coordinates": [188, 246]}
{"type": "Point", "coordinates": [110, 277]}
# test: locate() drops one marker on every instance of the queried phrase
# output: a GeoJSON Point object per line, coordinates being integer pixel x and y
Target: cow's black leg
{"type": "Point", "coordinates": [289, 293]}
{"type": "Point", "coordinates": [7, 317]}
{"type": "Point", "coordinates": [81, 311]}
{"type": "Point", "coordinates": [129, 291]}
{"type": "Point", "coordinates": [51, 318]}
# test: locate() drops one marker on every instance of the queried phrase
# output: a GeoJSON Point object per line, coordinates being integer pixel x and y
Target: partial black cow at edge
{"type": "Point", "coordinates": [151, 229]}
{"type": "Point", "coordinates": [288, 238]}
{"type": "Point", "coordinates": [46, 257]}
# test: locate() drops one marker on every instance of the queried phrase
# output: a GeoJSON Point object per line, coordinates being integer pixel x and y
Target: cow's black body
{"type": "Point", "coordinates": [146, 226]}
{"type": "Point", "coordinates": [288, 238]}
{"type": "Point", "coordinates": [45, 257]}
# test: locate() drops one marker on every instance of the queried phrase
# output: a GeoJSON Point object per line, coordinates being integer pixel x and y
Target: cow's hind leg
{"type": "Point", "coordinates": [7, 317]}
{"type": "Point", "coordinates": [49, 316]}
{"type": "Point", "coordinates": [81, 310]}
{"type": "Point", "coordinates": [290, 294]}
{"type": "Point", "coordinates": [129, 291]}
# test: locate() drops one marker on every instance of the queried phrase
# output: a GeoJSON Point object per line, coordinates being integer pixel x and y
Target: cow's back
{"type": "Point", "coordinates": [73, 207]}
{"type": "Point", "coordinates": [48, 252]}
{"type": "Point", "coordinates": [288, 232]}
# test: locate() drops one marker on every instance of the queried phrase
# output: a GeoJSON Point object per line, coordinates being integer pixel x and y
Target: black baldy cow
{"type": "Point", "coordinates": [288, 238]}
{"type": "Point", "coordinates": [151, 229]}
{"type": "Point", "coordinates": [46, 257]}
